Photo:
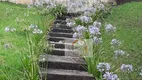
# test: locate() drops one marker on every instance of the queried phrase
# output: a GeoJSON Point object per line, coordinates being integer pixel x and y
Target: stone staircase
{"type": "Point", "coordinates": [63, 63]}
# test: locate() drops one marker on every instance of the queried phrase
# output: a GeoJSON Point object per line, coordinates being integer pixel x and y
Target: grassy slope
{"type": "Point", "coordinates": [128, 20]}
{"type": "Point", "coordinates": [8, 14]}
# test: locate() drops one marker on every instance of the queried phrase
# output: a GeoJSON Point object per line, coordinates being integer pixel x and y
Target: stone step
{"type": "Point", "coordinates": [62, 17]}
{"type": "Point", "coordinates": [57, 34]}
{"type": "Point", "coordinates": [60, 74]}
{"type": "Point", "coordinates": [60, 22]}
{"type": "Point", "coordinates": [62, 26]}
{"type": "Point", "coordinates": [62, 30]}
{"type": "Point", "coordinates": [61, 45]}
{"type": "Point", "coordinates": [64, 52]}
{"type": "Point", "coordinates": [62, 62]}
{"type": "Point", "coordinates": [63, 39]}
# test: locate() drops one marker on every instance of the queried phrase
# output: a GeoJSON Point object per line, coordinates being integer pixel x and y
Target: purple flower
{"type": "Point", "coordinates": [91, 10]}
{"type": "Point", "coordinates": [103, 67]}
{"type": "Point", "coordinates": [85, 19]}
{"type": "Point", "coordinates": [110, 76]}
{"type": "Point", "coordinates": [75, 35]}
{"type": "Point", "coordinates": [110, 28]}
{"type": "Point", "coordinates": [118, 52]}
{"type": "Point", "coordinates": [115, 42]}
{"type": "Point", "coordinates": [94, 30]}
{"type": "Point", "coordinates": [97, 24]}
{"type": "Point", "coordinates": [125, 67]}
{"type": "Point", "coordinates": [97, 40]}
{"type": "Point", "coordinates": [80, 29]}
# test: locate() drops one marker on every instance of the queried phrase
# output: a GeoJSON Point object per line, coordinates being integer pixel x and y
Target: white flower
{"type": "Point", "coordinates": [68, 20]}
{"type": "Point", "coordinates": [125, 67]}
{"type": "Point", "coordinates": [110, 76]}
{"type": "Point", "coordinates": [141, 73]}
{"type": "Point", "coordinates": [61, 42]}
{"type": "Point", "coordinates": [32, 26]}
{"type": "Point", "coordinates": [7, 45]}
{"type": "Point", "coordinates": [29, 6]}
{"type": "Point", "coordinates": [43, 59]}
{"type": "Point", "coordinates": [97, 24]}
{"type": "Point", "coordinates": [13, 29]}
{"type": "Point", "coordinates": [103, 67]}
{"type": "Point", "coordinates": [87, 13]}
{"type": "Point", "coordinates": [75, 35]}
{"type": "Point", "coordinates": [80, 43]}
{"type": "Point", "coordinates": [7, 29]}
{"type": "Point", "coordinates": [115, 42]}
{"type": "Point", "coordinates": [37, 31]}
{"type": "Point", "coordinates": [97, 40]}
{"type": "Point", "coordinates": [110, 28]}
{"type": "Point", "coordinates": [70, 24]}
{"type": "Point", "coordinates": [101, 7]}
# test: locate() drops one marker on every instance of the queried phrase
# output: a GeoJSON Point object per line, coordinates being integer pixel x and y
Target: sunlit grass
{"type": "Point", "coordinates": [128, 20]}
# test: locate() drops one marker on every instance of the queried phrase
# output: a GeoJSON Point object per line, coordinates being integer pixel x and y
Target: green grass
{"type": "Point", "coordinates": [128, 20]}
{"type": "Point", "coordinates": [9, 12]}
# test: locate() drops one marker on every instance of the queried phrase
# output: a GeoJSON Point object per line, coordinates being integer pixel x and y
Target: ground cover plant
{"type": "Point", "coordinates": [22, 39]}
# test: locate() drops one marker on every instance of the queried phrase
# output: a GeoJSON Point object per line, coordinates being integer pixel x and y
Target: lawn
{"type": "Point", "coordinates": [12, 44]}
{"type": "Point", "coordinates": [128, 20]}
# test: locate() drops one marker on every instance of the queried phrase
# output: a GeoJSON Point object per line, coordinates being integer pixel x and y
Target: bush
{"type": "Point", "coordinates": [124, 1]}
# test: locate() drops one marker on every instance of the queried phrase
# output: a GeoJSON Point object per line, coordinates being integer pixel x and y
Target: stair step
{"type": "Point", "coordinates": [62, 62]}
{"type": "Point", "coordinates": [60, 74]}
{"type": "Point", "coordinates": [62, 30]}
{"type": "Point", "coordinates": [62, 45]}
{"type": "Point", "coordinates": [62, 17]}
{"type": "Point", "coordinates": [57, 34]}
{"type": "Point", "coordinates": [63, 39]}
{"type": "Point", "coordinates": [60, 21]}
{"type": "Point", "coordinates": [64, 52]}
{"type": "Point", "coordinates": [62, 26]}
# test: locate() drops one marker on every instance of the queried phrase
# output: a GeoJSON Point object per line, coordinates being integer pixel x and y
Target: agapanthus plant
{"type": "Point", "coordinates": [127, 67]}
{"type": "Point", "coordinates": [90, 26]}
{"type": "Point", "coordinates": [110, 76]}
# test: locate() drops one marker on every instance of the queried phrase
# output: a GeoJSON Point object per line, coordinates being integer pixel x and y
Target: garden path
{"type": "Point", "coordinates": [63, 63]}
